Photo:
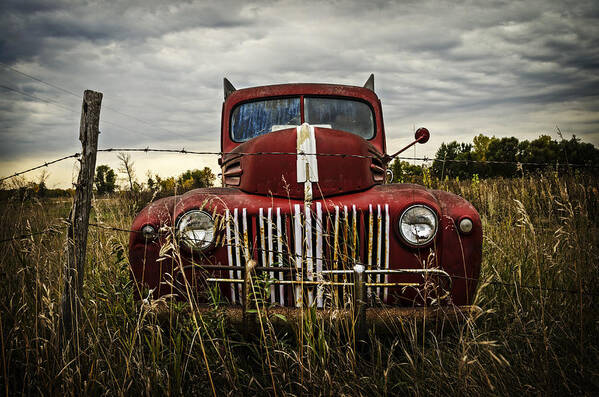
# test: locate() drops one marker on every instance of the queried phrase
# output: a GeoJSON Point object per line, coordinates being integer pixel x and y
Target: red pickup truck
{"type": "Point", "coordinates": [305, 207]}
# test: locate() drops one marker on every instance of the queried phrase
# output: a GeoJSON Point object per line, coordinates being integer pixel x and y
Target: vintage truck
{"type": "Point", "coordinates": [306, 215]}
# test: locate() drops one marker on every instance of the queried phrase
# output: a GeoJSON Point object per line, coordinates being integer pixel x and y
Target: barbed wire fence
{"type": "Point", "coordinates": [341, 155]}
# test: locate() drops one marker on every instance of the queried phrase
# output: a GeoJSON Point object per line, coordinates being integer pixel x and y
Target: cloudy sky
{"type": "Point", "coordinates": [459, 68]}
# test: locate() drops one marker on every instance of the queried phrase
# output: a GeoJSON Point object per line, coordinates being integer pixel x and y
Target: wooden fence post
{"type": "Point", "coordinates": [79, 217]}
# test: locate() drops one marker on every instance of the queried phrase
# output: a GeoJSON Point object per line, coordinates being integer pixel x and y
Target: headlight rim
{"type": "Point", "coordinates": [181, 241]}
{"type": "Point", "coordinates": [434, 234]}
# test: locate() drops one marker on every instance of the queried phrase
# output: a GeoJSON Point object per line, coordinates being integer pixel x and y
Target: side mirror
{"type": "Point", "coordinates": [422, 135]}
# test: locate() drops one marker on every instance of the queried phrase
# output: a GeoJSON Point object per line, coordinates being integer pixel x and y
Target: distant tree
{"type": "Point", "coordinates": [503, 150]}
{"type": "Point", "coordinates": [481, 146]}
{"type": "Point", "coordinates": [573, 151]}
{"type": "Point", "coordinates": [105, 179]}
{"type": "Point", "coordinates": [41, 188]}
{"type": "Point", "coordinates": [193, 179]}
{"type": "Point", "coordinates": [404, 172]}
{"type": "Point", "coordinates": [453, 160]}
{"type": "Point", "coordinates": [167, 185]}
{"type": "Point", "coordinates": [188, 180]}
{"type": "Point", "coordinates": [151, 183]}
{"type": "Point", "coordinates": [128, 170]}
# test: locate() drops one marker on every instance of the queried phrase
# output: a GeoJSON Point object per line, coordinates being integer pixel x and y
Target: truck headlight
{"type": "Point", "coordinates": [195, 229]}
{"type": "Point", "coordinates": [418, 225]}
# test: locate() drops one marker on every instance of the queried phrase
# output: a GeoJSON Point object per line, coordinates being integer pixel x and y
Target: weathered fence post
{"type": "Point", "coordinates": [79, 217]}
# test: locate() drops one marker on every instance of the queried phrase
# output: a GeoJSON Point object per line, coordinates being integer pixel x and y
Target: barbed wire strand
{"type": "Point", "coordinates": [50, 230]}
{"type": "Point", "coordinates": [76, 155]}
{"type": "Point", "coordinates": [342, 155]}
{"type": "Point", "coordinates": [425, 159]}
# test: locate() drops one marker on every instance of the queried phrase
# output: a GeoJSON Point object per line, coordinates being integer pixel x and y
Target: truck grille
{"type": "Point", "coordinates": [313, 240]}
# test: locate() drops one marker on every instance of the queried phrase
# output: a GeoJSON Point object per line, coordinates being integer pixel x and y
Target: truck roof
{"type": "Point", "coordinates": [302, 89]}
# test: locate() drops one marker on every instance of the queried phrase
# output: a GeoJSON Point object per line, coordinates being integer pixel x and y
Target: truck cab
{"type": "Point", "coordinates": [305, 205]}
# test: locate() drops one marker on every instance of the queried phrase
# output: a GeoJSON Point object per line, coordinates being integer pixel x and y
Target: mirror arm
{"type": "Point", "coordinates": [388, 158]}
{"type": "Point", "coordinates": [421, 136]}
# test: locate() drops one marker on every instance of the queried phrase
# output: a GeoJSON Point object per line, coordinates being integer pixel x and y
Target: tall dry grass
{"type": "Point", "coordinates": [541, 236]}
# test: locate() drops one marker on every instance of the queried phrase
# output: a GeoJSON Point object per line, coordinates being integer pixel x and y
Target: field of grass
{"type": "Point", "coordinates": [539, 231]}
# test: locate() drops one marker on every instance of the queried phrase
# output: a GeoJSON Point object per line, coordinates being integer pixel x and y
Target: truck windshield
{"type": "Point", "coordinates": [341, 114]}
{"type": "Point", "coordinates": [253, 119]}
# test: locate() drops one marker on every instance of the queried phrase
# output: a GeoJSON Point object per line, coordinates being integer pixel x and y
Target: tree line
{"type": "Point", "coordinates": [490, 157]}
{"type": "Point", "coordinates": [106, 182]}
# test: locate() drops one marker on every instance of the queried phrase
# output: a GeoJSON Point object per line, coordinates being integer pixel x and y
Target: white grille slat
{"type": "Point", "coordinates": [237, 248]}
{"type": "Point", "coordinates": [246, 244]}
{"type": "Point", "coordinates": [309, 258]}
{"type": "Point", "coordinates": [346, 238]}
{"type": "Point", "coordinates": [230, 252]}
{"type": "Point", "coordinates": [262, 236]}
{"type": "Point", "coordinates": [320, 288]}
{"type": "Point", "coordinates": [354, 233]}
{"type": "Point", "coordinates": [378, 248]}
{"type": "Point", "coordinates": [270, 253]}
{"type": "Point", "coordinates": [336, 236]}
{"type": "Point", "coordinates": [280, 254]}
{"type": "Point", "coordinates": [370, 241]}
{"type": "Point", "coordinates": [386, 250]}
{"type": "Point", "coordinates": [298, 253]}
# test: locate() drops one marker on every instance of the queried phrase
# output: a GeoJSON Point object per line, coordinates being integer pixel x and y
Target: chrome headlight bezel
{"type": "Point", "coordinates": [194, 244]}
{"type": "Point", "coordinates": [415, 242]}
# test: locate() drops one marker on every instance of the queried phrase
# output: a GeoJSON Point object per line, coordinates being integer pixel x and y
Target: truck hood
{"type": "Point", "coordinates": [269, 164]}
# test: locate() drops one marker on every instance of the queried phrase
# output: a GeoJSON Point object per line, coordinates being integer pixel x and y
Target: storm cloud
{"type": "Point", "coordinates": [458, 68]}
